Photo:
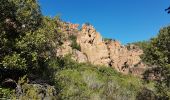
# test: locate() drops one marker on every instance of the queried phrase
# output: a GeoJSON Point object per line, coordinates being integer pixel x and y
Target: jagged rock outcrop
{"type": "Point", "coordinates": [123, 58]}
{"type": "Point", "coordinates": [92, 46]}
{"type": "Point", "coordinates": [94, 49]}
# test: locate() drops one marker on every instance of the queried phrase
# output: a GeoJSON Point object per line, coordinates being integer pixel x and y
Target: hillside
{"type": "Point", "coordinates": [85, 67]}
{"type": "Point", "coordinates": [44, 58]}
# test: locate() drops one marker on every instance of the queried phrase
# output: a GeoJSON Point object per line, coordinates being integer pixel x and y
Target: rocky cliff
{"type": "Point", "coordinates": [96, 50]}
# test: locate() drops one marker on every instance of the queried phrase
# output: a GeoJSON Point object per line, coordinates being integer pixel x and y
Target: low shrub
{"type": "Point", "coordinates": [74, 43]}
{"type": "Point", "coordinates": [86, 81]}
{"type": "Point", "coordinates": [5, 93]}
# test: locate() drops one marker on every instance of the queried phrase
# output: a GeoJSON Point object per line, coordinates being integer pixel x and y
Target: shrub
{"type": "Point", "coordinates": [86, 81]}
{"type": "Point", "coordinates": [5, 93]}
{"type": "Point", "coordinates": [146, 94]}
{"type": "Point", "coordinates": [141, 44]}
{"type": "Point", "coordinates": [74, 44]}
{"type": "Point", "coordinates": [108, 39]}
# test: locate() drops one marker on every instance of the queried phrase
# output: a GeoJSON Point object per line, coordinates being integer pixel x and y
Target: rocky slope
{"type": "Point", "coordinates": [97, 51]}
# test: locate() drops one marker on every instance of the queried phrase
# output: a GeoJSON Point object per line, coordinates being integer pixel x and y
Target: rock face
{"type": "Point", "coordinates": [94, 49]}
{"type": "Point", "coordinates": [92, 46]}
{"type": "Point", "coordinates": [123, 58]}
{"type": "Point", "coordinates": [79, 56]}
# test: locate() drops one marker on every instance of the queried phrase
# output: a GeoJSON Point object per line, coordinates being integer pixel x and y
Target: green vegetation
{"type": "Point", "coordinates": [86, 81]}
{"type": "Point", "coordinates": [141, 44]}
{"type": "Point", "coordinates": [108, 39]}
{"type": "Point", "coordinates": [74, 44]}
{"type": "Point", "coordinates": [27, 38]}
{"type": "Point", "coordinates": [28, 43]}
{"type": "Point", "coordinates": [5, 93]}
{"type": "Point", "coordinates": [157, 52]}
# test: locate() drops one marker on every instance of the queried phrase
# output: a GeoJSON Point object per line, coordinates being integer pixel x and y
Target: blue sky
{"type": "Point", "coordinates": [124, 20]}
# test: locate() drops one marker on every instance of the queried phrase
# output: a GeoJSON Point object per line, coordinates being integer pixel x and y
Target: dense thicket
{"type": "Point", "coordinates": [27, 40]}
{"type": "Point", "coordinates": [19, 19]}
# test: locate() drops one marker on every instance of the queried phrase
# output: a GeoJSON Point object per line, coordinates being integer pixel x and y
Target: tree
{"type": "Point", "coordinates": [27, 39]}
{"type": "Point", "coordinates": [158, 53]}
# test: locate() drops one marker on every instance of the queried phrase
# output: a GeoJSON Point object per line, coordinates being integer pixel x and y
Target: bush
{"type": "Point", "coordinates": [108, 39]}
{"type": "Point", "coordinates": [5, 93]}
{"type": "Point", "coordinates": [86, 81]}
{"type": "Point", "coordinates": [146, 94]}
{"type": "Point", "coordinates": [141, 44]}
{"type": "Point", "coordinates": [74, 44]}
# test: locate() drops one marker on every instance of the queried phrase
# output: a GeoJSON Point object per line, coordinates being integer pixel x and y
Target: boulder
{"type": "Point", "coordinates": [79, 56]}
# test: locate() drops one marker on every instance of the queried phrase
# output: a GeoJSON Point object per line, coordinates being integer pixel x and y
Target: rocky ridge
{"type": "Point", "coordinates": [97, 51]}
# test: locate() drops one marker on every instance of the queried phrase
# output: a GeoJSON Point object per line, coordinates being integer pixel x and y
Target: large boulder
{"type": "Point", "coordinates": [79, 56]}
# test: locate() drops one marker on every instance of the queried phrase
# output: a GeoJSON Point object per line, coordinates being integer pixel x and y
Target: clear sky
{"type": "Point", "coordinates": [124, 20]}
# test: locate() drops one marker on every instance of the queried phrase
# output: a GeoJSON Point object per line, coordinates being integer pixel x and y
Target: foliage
{"type": "Point", "coordinates": [5, 93]}
{"type": "Point", "coordinates": [158, 53]}
{"type": "Point", "coordinates": [33, 91]}
{"type": "Point", "coordinates": [86, 81]}
{"type": "Point", "coordinates": [18, 19]}
{"type": "Point", "coordinates": [146, 94]}
{"type": "Point", "coordinates": [74, 44]}
{"type": "Point", "coordinates": [22, 15]}
{"type": "Point", "coordinates": [28, 41]}
{"type": "Point", "coordinates": [141, 44]}
{"type": "Point", "coordinates": [11, 61]}
{"type": "Point", "coordinates": [108, 39]}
